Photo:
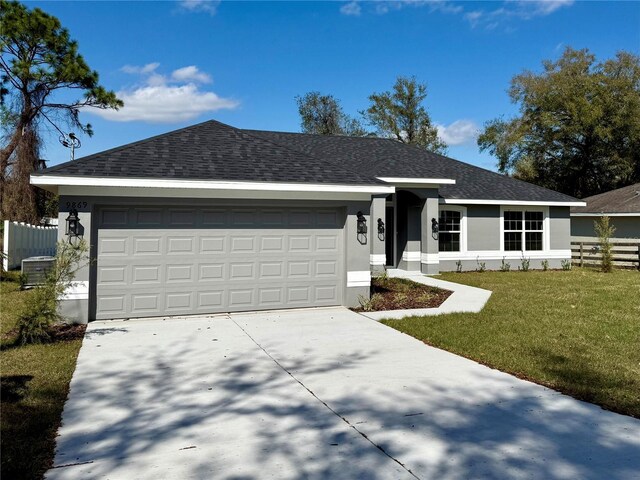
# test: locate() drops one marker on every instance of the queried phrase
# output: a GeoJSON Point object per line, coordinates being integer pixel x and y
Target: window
{"type": "Point", "coordinates": [449, 231]}
{"type": "Point", "coordinates": [523, 228]}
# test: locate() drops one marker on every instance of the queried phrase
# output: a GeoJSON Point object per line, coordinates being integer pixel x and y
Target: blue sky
{"type": "Point", "coordinates": [242, 63]}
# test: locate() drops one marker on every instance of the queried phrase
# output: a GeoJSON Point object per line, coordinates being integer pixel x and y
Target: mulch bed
{"type": "Point", "coordinates": [58, 333]}
{"type": "Point", "coordinates": [67, 332]}
{"type": "Point", "coordinates": [401, 294]}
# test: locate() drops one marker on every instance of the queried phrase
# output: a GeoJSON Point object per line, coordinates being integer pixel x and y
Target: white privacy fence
{"type": "Point", "coordinates": [22, 240]}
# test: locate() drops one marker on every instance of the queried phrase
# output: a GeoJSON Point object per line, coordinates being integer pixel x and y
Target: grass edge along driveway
{"type": "Point", "coordinates": [575, 331]}
{"type": "Point", "coordinates": [35, 385]}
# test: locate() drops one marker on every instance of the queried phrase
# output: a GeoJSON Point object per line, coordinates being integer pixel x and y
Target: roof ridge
{"type": "Point", "coordinates": [341, 167]}
{"type": "Point", "coordinates": [367, 137]}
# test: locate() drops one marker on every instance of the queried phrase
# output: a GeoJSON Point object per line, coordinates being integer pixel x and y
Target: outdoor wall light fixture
{"type": "Point", "coordinates": [380, 229]}
{"type": "Point", "coordinates": [73, 224]}
{"type": "Point", "coordinates": [362, 224]}
{"type": "Point", "coordinates": [434, 228]}
{"type": "Point", "coordinates": [361, 229]}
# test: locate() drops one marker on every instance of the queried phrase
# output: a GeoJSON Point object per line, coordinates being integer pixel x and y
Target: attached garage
{"type": "Point", "coordinates": [154, 261]}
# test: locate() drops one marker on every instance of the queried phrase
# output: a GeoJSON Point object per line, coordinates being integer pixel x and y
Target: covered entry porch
{"type": "Point", "coordinates": [406, 224]}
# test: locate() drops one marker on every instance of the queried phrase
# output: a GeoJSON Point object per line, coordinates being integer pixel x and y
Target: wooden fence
{"type": "Point", "coordinates": [588, 254]}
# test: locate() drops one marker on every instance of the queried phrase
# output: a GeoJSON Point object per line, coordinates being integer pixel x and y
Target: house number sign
{"type": "Point", "coordinates": [77, 205]}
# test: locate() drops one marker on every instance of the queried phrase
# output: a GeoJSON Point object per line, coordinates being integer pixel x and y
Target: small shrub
{"type": "Point", "coordinates": [605, 231]}
{"type": "Point", "coordinates": [459, 266]}
{"type": "Point", "coordinates": [400, 297]}
{"type": "Point", "coordinates": [566, 264]}
{"type": "Point", "coordinates": [524, 264]}
{"type": "Point", "coordinates": [506, 266]}
{"type": "Point", "coordinates": [41, 310]}
{"type": "Point", "coordinates": [22, 280]}
{"type": "Point", "coordinates": [545, 265]}
{"type": "Point", "coordinates": [370, 304]}
{"type": "Point", "coordinates": [376, 300]}
{"type": "Point", "coordinates": [482, 266]}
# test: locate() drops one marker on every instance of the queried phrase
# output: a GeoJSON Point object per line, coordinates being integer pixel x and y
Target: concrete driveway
{"type": "Point", "coordinates": [322, 393]}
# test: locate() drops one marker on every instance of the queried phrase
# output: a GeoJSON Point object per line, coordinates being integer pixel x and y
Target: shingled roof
{"type": "Point", "coordinates": [215, 151]}
{"type": "Point", "coordinates": [384, 157]}
{"type": "Point", "coordinates": [622, 200]}
{"type": "Point", "coordinates": [211, 151]}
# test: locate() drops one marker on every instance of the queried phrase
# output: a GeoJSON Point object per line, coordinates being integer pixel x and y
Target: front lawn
{"type": "Point", "coordinates": [577, 332]}
{"type": "Point", "coordinates": [35, 382]}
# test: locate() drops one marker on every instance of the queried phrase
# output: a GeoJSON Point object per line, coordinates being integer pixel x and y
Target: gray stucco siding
{"type": "Point", "coordinates": [559, 228]}
{"type": "Point", "coordinates": [483, 227]}
{"type": "Point", "coordinates": [469, 265]}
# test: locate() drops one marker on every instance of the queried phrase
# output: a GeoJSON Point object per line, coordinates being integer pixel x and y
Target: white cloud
{"type": "Point", "coordinates": [145, 69]}
{"type": "Point", "coordinates": [515, 9]}
{"type": "Point", "coordinates": [487, 19]}
{"type": "Point", "coordinates": [166, 99]}
{"type": "Point", "coordinates": [544, 7]}
{"type": "Point", "coordinates": [207, 6]}
{"type": "Point", "coordinates": [351, 8]}
{"type": "Point", "coordinates": [190, 73]}
{"type": "Point", "coordinates": [459, 132]}
{"type": "Point", "coordinates": [442, 6]}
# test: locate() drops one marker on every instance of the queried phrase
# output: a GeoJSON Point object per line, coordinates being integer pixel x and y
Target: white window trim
{"type": "Point", "coordinates": [463, 226]}
{"type": "Point", "coordinates": [546, 234]}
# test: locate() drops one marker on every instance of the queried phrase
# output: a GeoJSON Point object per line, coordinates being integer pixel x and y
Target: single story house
{"type": "Point", "coordinates": [622, 206]}
{"type": "Point", "coordinates": [212, 218]}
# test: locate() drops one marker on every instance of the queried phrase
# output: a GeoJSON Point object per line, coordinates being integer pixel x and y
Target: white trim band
{"type": "Point", "coordinates": [464, 201]}
{"type": "Point", "coordinates": [205, 184]}
{"type": "Point", "coordinates": [411, 256]}
{"type": "Point", "coordinates": [510, 255]}
{"type": "Point", "coordinates": [378, 259]}
{"type": "Point", "coordinates": [360, 278]}
{"type": "Point", "coordinates": [430, 258]}
{"type": "Point", "coordinates": [76, 291]}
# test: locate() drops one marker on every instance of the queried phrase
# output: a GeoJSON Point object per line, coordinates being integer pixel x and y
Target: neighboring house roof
{"type": "Point", "coordinates": [625, 200]}
{"type": "Point", "coordinates": [215, 151]}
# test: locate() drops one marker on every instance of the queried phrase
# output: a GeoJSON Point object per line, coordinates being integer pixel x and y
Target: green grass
{"type": "Point", "coordinates": [35, 384]}
{"type": "Point", "coordinates": [576, 331]}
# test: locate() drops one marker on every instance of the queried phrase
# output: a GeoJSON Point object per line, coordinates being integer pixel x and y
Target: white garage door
{"type": "Point", "coordinates": [183, 261]}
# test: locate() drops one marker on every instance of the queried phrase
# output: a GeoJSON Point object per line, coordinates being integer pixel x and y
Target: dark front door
{"type": "Point", "coordinates": [390, 235]}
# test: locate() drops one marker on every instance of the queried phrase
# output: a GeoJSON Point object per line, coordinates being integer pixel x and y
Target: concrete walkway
{"type": "Point", "coordinates": [319, 394]}
{"type": "Point", "coordinates": [463, 299]}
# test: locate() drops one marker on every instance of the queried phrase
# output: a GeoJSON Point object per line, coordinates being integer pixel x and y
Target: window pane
{"type": "Point", "coordinates": [449, 221]}
{"type": "Point", "coordinates": [512, 241]}
{"type": "Point", "coordinates": [533, 240]}
{"type": "Point", "coordinates": [533, 220]}
{"type": "Point", "coordinates": [449, 242]}
{"type": "Point", "coordinates": [512, 220]}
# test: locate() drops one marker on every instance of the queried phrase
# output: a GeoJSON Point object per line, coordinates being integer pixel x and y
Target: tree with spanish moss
{"type": "Point", "coordinates": [40, 66]}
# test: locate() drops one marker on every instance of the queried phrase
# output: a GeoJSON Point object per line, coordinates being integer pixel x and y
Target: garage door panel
{"type": "Point", "coordinates": [180, 261]}
{"type": "Point", "coordinates": [115, 246]}
{"type": "Point", "coordinates": [146, 274]}
{"type": "Point", "coordinates": [114, 217]}
{"type": "Point", "coordinates": [182, 218]}
{"type": "Point", "coordinates": [147, 245]}
{"type": "Point", "coordinates": [148, 217]}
